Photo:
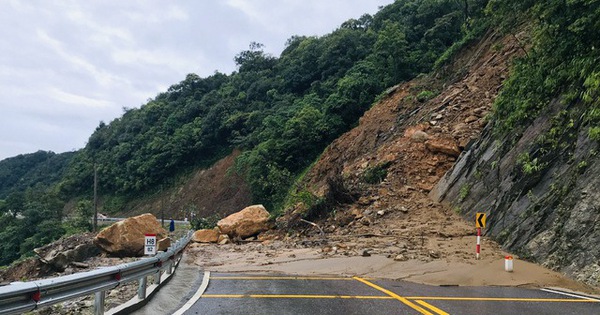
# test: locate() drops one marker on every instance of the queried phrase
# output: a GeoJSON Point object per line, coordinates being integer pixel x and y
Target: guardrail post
{"type": "Point", "coordinates": [170, 267]}
{"type": "Point", "coordinates": [157, 277]}
{"type": "Point", "coordinates": [142, 288]}
{"type": "Point", "coordinates": [99, 302]}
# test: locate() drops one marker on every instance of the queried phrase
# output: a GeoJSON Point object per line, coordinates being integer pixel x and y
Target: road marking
{"type": "Point", "coordinates": [396, 296]}
{"type": "Point", "coordinates": [298, 296]}
{"type": "Point", "coordinates": [571, 295]}
{"type": "Point", "coordinates": [196, 296]}
{"type": "Point", "coordinates": [385, 297]}
{"type": "Point", "coordinates": [493, 299]}
{"type": "Point", "coordinates": [431, 307]}
{"type": "Point", "coordinates": [278, 278]}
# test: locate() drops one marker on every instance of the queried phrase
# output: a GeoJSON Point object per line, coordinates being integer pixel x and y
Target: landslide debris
{"type": "Point", "coordinates": [375, 179]}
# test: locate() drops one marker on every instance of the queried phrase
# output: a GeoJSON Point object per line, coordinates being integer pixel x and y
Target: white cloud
{"type": "Point", "coordinates": [78, 63]}
{"type": "Point", "coordinates": [69, 98]}
{"type": "Point", "coordinates": [66, 65]}
{"type": "Point", "coordinates": [177, 13]}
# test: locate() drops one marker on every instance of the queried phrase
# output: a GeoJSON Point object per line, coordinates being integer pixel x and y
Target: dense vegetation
{"type": "Point", "coordinates": [559, 76]}
{"type": "Point", "coordinates": [39, 169]}
{"type": "Point", "coordinates": [564, 60]}
{"type": "Point", "coordinates": [282, 111]}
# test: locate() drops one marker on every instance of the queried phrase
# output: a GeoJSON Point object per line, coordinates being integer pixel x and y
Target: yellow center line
{"type": "Point", "coordinates": [431, 307]}
{"type": "Point", "coordinates": [493, 299]}
{"type": "Point", "coordinates": [396, 296]}
{"type": "Point", "coordinates": [386, 297]}
{"type": "Point", "coordinates": [278, 278]}
{"type": "Point", "coordinates": [296, 296]}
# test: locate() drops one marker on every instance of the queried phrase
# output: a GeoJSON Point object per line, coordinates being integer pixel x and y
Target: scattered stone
{"type": "Point", "coordinates": [434, 254]}
{"type": "Point", "coordinates": [471, 119]}
{"type": "Point", "coordinates": [446, 146]}
{"type": "Point", "coordinates": [163, 244]}
{"type": "Point", "coordinates": [364, 201]}
{"type": "Point", "coordinates": [80, 265]}
{"type": "Point", "coordinates": [68, 250]}
{"type": "Point", "coordinates": [419, 136]}
{"type": "Point", "coordinates": [223, 239]}
{"type": "Point", "coordinates": [400, 258]}
{"type": "Point", "coordinates": [365, 221]}
{"type": "Point", "coordinates": [365, 253]}
{"type": "Point", "coordinates": [381, 212]}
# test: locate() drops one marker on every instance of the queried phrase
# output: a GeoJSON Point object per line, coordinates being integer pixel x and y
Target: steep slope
{"type": "Point", "coordinates": [217, 190]}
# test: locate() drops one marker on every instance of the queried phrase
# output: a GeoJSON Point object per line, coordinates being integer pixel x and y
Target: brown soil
{"type": "Point", "coordinates": [216, 190]}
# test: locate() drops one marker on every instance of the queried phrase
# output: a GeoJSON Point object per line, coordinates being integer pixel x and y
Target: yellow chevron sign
{"type": "Point", "coordinates": [480, 220]}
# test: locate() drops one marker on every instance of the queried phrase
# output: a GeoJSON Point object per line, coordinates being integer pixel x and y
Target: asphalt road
{"type": "Point", "coordinates": [258, 294]}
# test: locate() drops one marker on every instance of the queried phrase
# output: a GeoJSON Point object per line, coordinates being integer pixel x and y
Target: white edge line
{"type": "Point", "coordinates": [196, 296]}
{"type": "Point", "coordinates": [571, 295]}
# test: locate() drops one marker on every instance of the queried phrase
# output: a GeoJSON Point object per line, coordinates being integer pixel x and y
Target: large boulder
{"type": "Point", "coordinates": [126, 238]}
{"type": "Point", "coordinates": [206, 236]}
{"type": "Point", "coordinates": [75, 248]}
{"type": "Point", "coordinates": [250, 221]}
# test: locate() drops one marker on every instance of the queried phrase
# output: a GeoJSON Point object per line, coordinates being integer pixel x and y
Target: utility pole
{"type": "Point", "coordinates": [95, 198]}
{"type": "Point", "coordinates": [162, 206]}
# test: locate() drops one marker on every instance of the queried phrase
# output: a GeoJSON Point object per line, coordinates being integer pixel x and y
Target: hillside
{"type": "Point", "coordinates": [41, 169]}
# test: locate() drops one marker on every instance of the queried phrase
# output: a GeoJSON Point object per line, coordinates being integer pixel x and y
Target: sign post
{"type": "Point", "coordinates": [150, 244]}
{"type": "Point", "coordinates": [479, 224]}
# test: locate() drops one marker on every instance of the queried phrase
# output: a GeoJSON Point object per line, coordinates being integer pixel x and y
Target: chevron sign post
{"type": "Point", "coordinates": [479, 224]}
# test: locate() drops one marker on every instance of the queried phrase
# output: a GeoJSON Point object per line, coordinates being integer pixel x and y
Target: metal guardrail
{"type": "Point", "coordinates": [20, 297]}
{"type": "Point", "coordinates": [159, 220]}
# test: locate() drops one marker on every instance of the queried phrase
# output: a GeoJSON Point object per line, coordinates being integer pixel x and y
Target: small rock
{"type": "Point", "coordinates": [79, 264]}
{"type": "Point", "coordinates": [381, 212]}
{"type": "Point", "coordinates": [365, 253]}
{"type": "Point", "coordinates": [471, 119]}
{"type": "Point", "coordinates": [419, 136]}
{"type": "Point", "coordinates": [434, 254]}
{"type": "Point", "coordinates": [223, 239]}
{"type": "Point", "coordinates": [400, 258]}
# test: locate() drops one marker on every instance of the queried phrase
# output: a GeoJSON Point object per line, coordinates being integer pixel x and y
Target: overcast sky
{"type": "Point", "coordinates": [67, 65]}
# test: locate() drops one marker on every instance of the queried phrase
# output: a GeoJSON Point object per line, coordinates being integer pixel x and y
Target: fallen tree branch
{"type": "Point", "coordinates": [314, 224]}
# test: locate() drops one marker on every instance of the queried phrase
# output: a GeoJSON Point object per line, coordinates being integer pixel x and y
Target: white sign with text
{"type": "Point", "coordinates": [150, 244]}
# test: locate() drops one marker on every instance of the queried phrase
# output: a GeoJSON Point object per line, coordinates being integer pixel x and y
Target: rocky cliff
{"type": "Point", "coordinates": [541, 198]}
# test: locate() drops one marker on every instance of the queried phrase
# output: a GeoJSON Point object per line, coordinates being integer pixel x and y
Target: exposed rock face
{"type": "Point", "coordinates": [250, 221]}
{"type": "Point", "coordinates": [75, 248]}
{"type": "Point", "coordinates": [126, 238]}
{"type": "Point", "coordinates": [547, 212]}
{"type": "Point", "coordinates": [206, 236]}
